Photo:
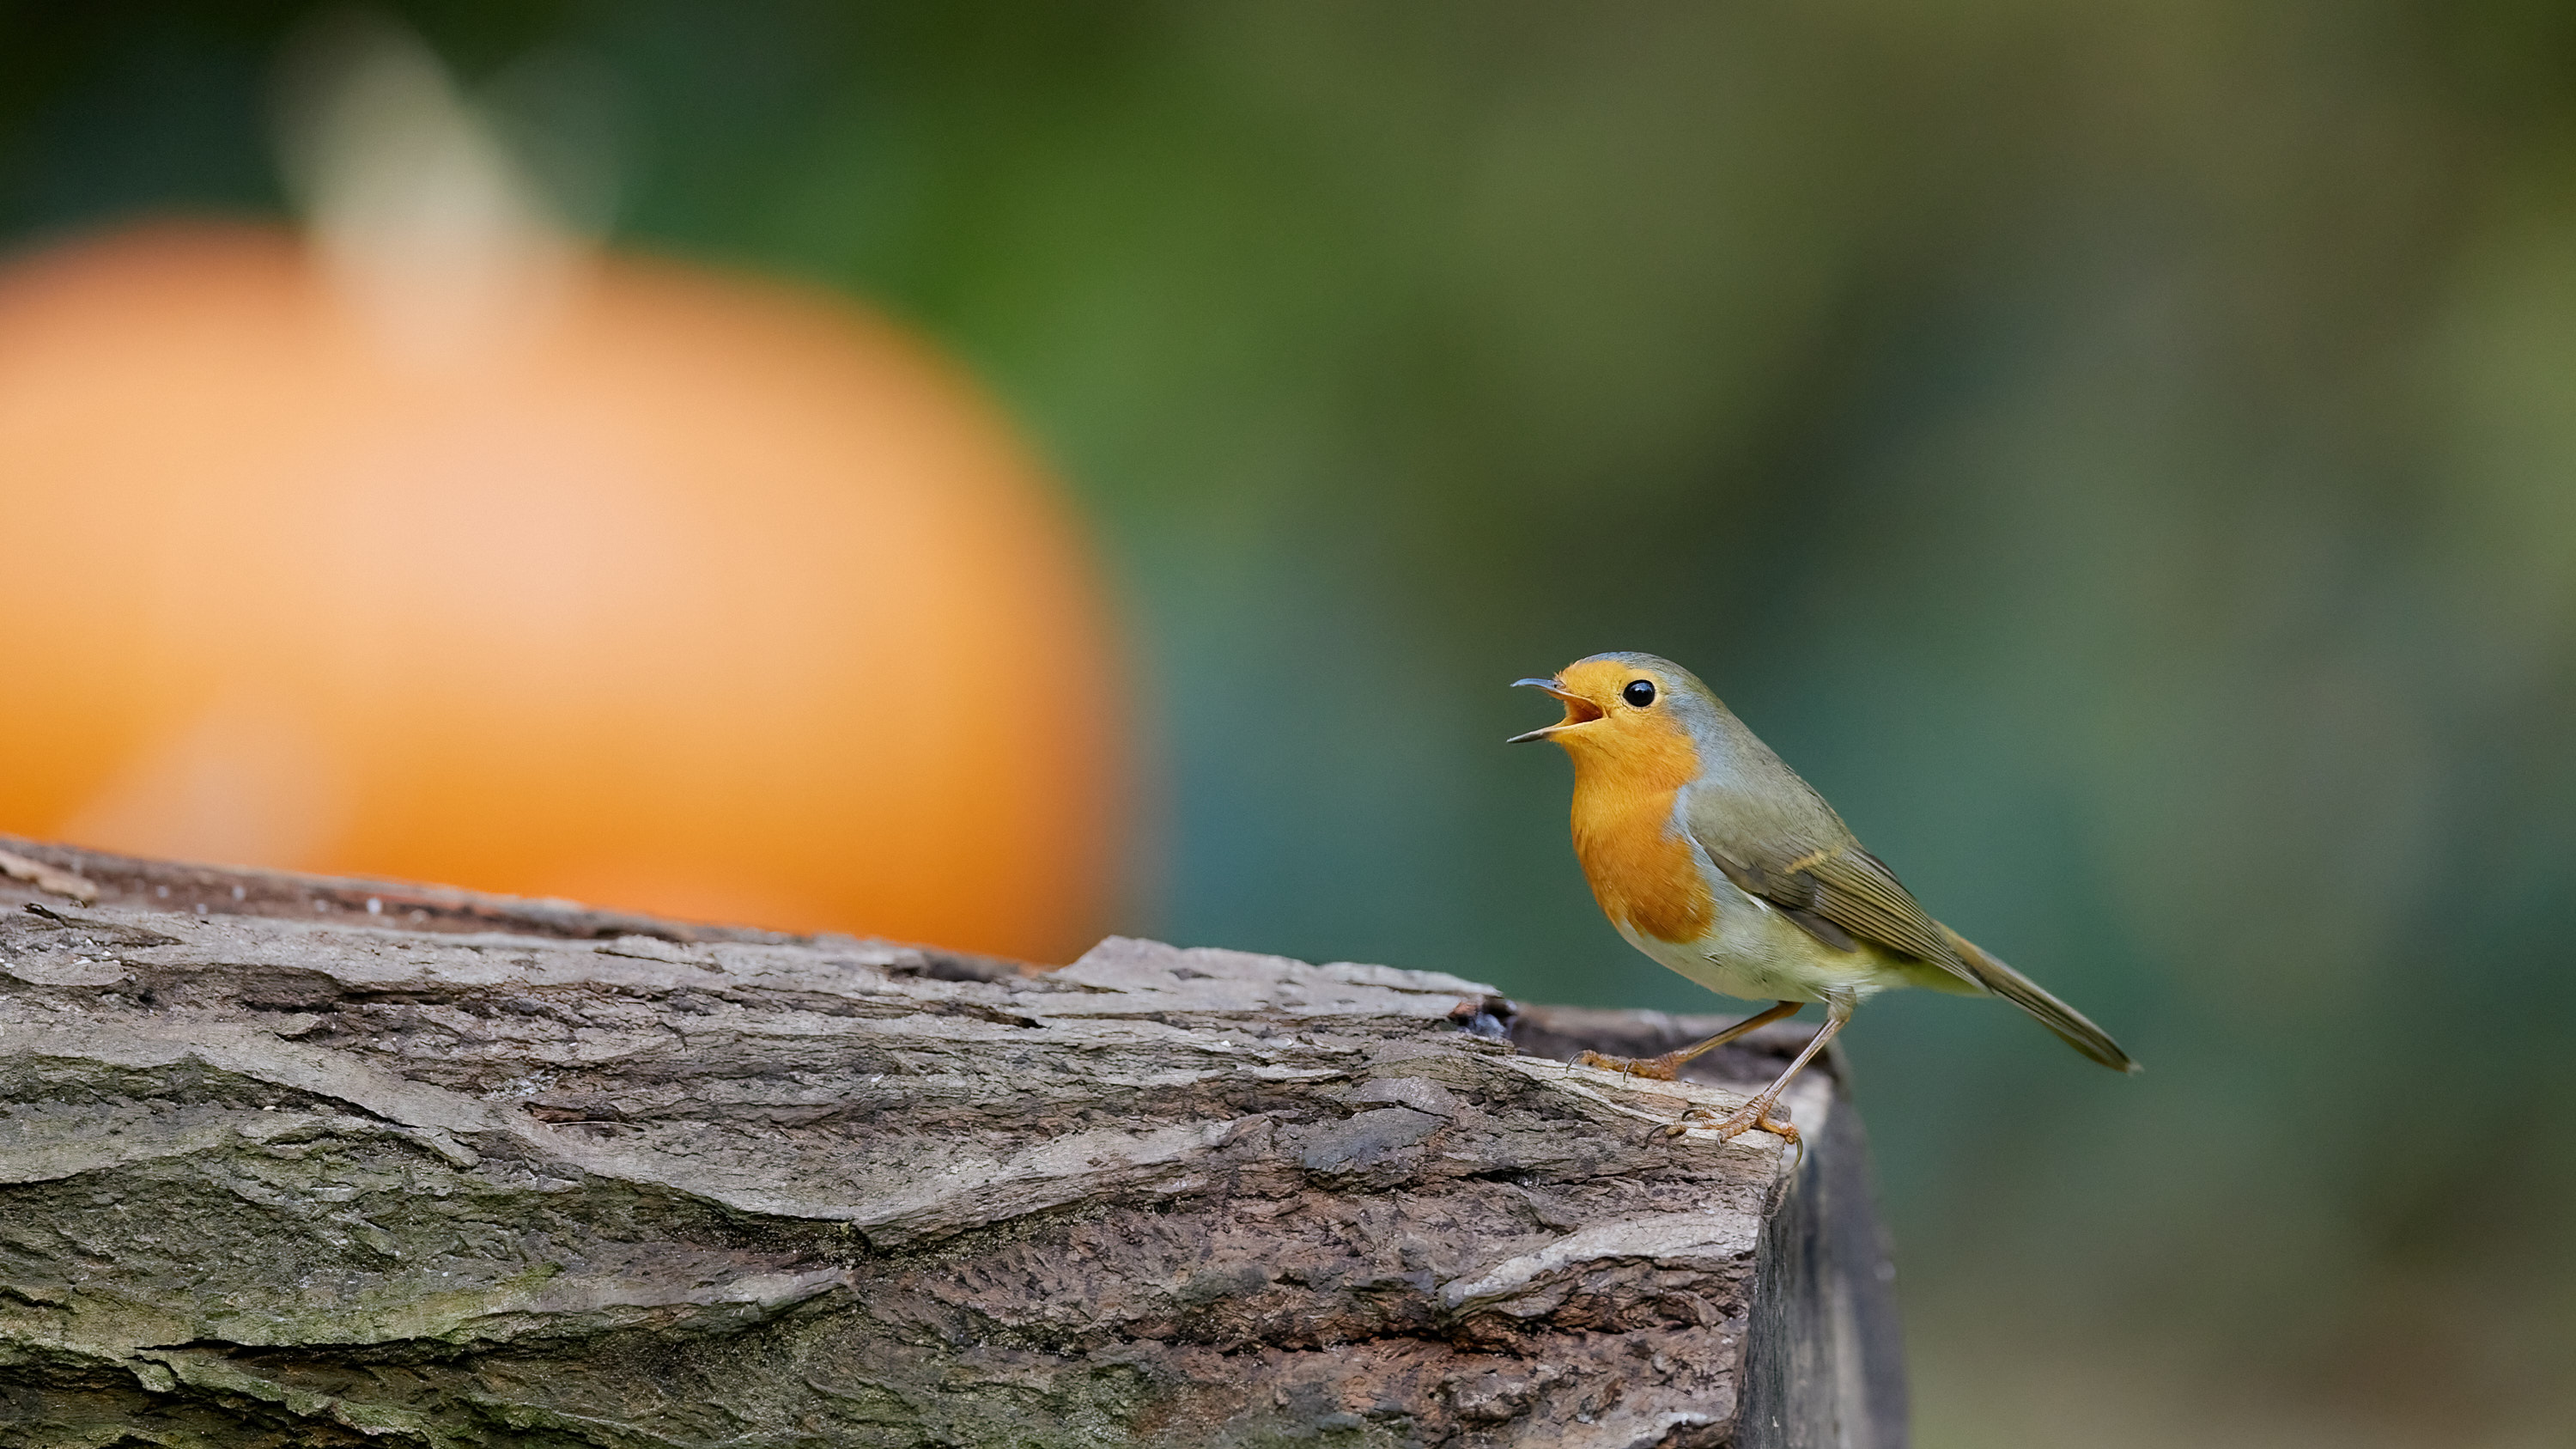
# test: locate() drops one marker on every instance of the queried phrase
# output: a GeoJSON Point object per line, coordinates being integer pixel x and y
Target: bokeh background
{"type": "Point", "coordinates": [2124, 452]}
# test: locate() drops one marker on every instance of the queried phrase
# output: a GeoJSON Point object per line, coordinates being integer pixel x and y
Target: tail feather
{"type": "Point", "coordinates": [2056, 1015]}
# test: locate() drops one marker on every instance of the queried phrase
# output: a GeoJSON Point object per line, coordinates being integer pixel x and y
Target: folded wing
{"type": "Point", "coordinates": [1842, 895]}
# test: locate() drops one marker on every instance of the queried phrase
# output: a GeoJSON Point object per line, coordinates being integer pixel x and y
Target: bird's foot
{"type": "Point", "coordinates": [1753, 1115]}
{"type": "Point", "coordinates": [1665, 1068]}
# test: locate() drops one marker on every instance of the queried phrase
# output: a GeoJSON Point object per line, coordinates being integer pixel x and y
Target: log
{"type": "Point", "coordinates": [287, 1161]}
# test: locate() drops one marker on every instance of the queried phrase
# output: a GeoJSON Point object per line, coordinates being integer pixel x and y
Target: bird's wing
{"type": "Point", "coordinates": [1841, 895]}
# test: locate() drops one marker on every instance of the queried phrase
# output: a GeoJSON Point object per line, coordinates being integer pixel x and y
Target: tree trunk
{"type": "Point", "coordinates": [289, 1162]}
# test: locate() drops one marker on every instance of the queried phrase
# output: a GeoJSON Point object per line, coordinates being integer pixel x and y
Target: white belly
{"type": "Point", "coordinates": [1753, 952]}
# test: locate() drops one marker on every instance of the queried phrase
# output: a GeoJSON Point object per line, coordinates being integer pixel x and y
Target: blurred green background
{"type": "Point", "coordinates": [2124, 452]}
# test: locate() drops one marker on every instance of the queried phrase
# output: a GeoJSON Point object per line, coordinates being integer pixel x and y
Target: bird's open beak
{"type": "Point", "coordinates": [1578, 710]}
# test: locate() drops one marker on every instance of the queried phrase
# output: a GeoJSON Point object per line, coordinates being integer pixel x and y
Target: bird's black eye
{"type": "Point", "coordinates": [1640, 692]}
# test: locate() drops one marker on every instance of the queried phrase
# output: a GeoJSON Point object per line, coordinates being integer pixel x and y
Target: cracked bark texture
{"type": "Point", "coordinates": [288, 1161]}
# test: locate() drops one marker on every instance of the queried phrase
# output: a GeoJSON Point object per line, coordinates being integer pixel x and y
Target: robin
{"type": "Point", "coordinates": [1711, 856]}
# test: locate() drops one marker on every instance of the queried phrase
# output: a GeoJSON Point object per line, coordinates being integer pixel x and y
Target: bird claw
{"type": "Point", "coordinates": [1756, 1114]}
{"type": "Point", "coordinates": [1749, 1117]}
{"type": "Point", "coordinates": [1653, 1069]}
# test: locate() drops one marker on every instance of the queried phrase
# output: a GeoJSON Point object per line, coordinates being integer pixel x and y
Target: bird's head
{"type": "Point", "coordinates": [1621, 706]}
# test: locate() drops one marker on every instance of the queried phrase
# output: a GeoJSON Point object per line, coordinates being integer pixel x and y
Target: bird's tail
{"type": "Point", "coordinates": [2056, 1015]}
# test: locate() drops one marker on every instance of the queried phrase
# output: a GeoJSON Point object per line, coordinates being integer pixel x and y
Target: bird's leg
{"type": "Point", "coordinates": [1668, 1067]}
{"type": "Point", "coordinates": [1757, 1113]}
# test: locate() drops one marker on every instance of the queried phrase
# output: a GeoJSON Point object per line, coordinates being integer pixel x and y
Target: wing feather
{"type": "Point", "coordinates": [1848, 892]}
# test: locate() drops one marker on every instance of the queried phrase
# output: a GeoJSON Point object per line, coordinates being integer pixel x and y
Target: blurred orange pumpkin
{"type": "Point", "coordinates": [692, 594]}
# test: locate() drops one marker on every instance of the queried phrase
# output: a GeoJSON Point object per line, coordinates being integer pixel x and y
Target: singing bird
{"type": "Point", "coordinates": [1711, 856]}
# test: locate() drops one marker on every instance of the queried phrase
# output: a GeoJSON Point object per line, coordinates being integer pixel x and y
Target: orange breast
{"type": "Point", "coordinates": [1639, 865]}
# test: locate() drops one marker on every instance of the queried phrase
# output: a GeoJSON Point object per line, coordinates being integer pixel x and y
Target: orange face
{"type": "Point", "coordinates": [1611, 709]}
{"type": "Point", "coordinates": [1632, 755]}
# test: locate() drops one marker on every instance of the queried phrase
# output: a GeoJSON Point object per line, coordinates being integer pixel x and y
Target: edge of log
{"type": "Point", "coordinates": [1574, 1284]}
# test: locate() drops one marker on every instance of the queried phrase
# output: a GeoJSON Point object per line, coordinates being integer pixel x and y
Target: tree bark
{"type": "Point", "coordinates": [287, 1162]}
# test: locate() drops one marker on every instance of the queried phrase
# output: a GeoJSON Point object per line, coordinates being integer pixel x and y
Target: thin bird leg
{"type": "Point", "coordinates": [1757, 1113]}
{"type": "Point", "coordinates": [1668, 1067]}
